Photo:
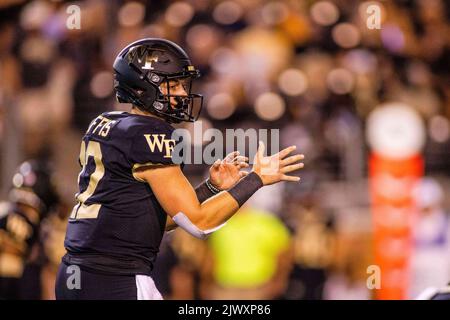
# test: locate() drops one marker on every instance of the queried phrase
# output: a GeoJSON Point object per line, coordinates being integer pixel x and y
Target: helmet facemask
{"type": "Point", "coordinates": [179, 107]}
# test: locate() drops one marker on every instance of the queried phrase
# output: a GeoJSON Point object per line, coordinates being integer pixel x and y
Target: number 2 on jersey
{"type": "Point", "coordinates": [82, 210]}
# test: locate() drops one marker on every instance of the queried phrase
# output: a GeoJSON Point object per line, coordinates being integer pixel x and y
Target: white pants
{"type": "Point", "coordinates": [146, 289]}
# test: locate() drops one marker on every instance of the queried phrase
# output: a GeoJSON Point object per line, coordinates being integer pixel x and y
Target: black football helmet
{"type": "Point", "coordinates": [143, 66]}
{"type": "Point", "coordinates": [32, 185]}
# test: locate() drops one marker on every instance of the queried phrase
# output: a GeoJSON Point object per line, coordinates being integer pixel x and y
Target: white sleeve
{"type": "Point", "coordinates": [186, 224]}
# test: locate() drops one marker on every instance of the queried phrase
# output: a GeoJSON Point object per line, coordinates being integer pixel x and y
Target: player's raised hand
{"type": "Point", "coordinates": [225, 173]}
{"type": "Point", "coordinates": [273, 169]}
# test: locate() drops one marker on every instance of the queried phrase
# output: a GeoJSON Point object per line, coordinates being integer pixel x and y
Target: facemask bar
{"type": "Point", "coordinates": [186, 104]}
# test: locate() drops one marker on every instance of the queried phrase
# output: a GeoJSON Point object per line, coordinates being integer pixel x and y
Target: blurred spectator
{"type": "Point", "coordinates": [431, 256]}
{"type": "Point", "coordinates": [179, 266]}
{"type": "Point", "coordinates": [314, 247]}
{"type": "Point", "coordinates": [250, 258]}
{"type": "Point", "coordinates": [347, 284]}
{"type": "Point", "coordinates": [53, 232]}
{"type": "Point", "coordinates": [31, 199]}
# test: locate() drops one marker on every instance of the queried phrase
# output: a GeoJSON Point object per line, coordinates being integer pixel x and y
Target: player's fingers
{"type": "Point", "coordinates": [283, 153]}
{"type": "Point", "coordinates": [292, 159]}
{"type": "Point", "coordinates": [261, 149]}
{"type": "Point", "coordinates": [292, 167]}
{"type": "Point", "coordinates": [241, 165]}
{"type": "Point", "coordinates": [240, 159]}
{"type": "Point", "coordinates": [243, 174]}
{"type": "Point", "coordinates": [216, 164]}
{"type": "Point", "coordinates": [290, 178]}
{"type": "Point", "coordinates": [231, 156]}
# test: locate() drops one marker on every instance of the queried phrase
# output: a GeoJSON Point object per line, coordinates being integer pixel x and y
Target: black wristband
{"type": "Point", "coordinates": [203, 192]}
{"type": "Point", "coordinates": [242, 191]}
{"type": "Point", "coordinates": [211, 187]}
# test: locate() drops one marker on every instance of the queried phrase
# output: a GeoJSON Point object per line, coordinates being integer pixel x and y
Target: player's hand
{"type": "Point", "coordinates": [273, 169]}
{"type": "Point", "coordinates": [225, 173]}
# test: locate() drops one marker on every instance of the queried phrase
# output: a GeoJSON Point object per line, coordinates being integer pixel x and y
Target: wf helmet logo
{"type": "Point", "coordinates": [149, 61]}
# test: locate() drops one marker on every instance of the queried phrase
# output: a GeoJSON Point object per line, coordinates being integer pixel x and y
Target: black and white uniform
{"type": "Point", "coordinates": [115, 229]}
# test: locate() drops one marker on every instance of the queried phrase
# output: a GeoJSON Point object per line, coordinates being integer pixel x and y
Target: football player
{"type": "Point", "coordinates": [31, 198]}
{"type": "Point", "coordinates": [433, 293]}
{"type": "Point", "coordinates": [130, 188]}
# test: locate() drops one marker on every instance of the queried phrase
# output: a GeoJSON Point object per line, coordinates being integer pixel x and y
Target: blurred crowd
{"type": "Point", "coordinates": [313, 69]}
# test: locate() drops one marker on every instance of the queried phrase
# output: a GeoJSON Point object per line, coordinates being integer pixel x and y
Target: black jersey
{"type": "Point", "coordinates": [117, 225]}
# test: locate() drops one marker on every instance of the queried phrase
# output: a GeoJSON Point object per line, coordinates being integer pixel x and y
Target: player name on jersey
{"type": "Point", "coordinates": [101, 126]}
